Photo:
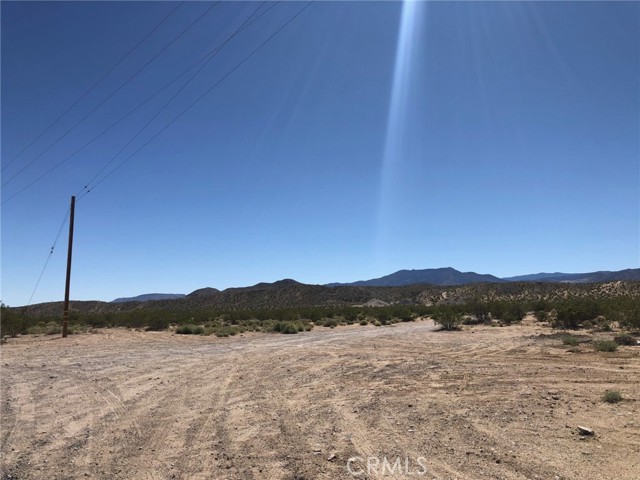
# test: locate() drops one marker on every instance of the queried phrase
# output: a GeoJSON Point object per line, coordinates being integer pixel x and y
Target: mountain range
{"type": "Point", "coordinates": [150, 296]}
{"type": "Point", "coordinates": [431, 276]}
{"type": "Point", "coordinates": [451, 276]}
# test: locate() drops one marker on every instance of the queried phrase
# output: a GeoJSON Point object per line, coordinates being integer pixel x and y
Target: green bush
{"type": "Point", "coordinates": [223, 331]}
{"type": "Point", "coordinates": [513, 313]}
{"type": "Point", "coordinates": [190, 330]}
{"type": "Point", "coordinates": [541, 315]}
{"type": "Point", "coordinates": [625, 340]}
{"type": "Point", "coordinates": [605, 346]}
{"type": "Point", "coordinates": [364, 322]}
{"type": "Point", "coordinates": [11, 322]}
{"type": "Point", "coordinates": [286, 327]}
{"type": "Point", "coordinates": [448, 319]}
{"type": "Point", "coordinates": [570, 340]}
{"type": "Point", "coordinates": [157, 323]}
{"type": "Point", "coordinates": [330, 322]}
{"type": "Point", "coordinates": [612, 396]}
{"type": "Point", "coordinates": [630, 317]}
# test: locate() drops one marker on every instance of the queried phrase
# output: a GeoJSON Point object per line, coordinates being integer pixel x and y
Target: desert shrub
{"type": "Point", "coordinates": [602, 324]}
{"type": "Point", "coordinates": [53, 328]}
{"type": "Point", "coordinates": [157, 323]}
{"type": "Point", "coordinates": [512, 313]}
{"type": "Point", "coordinates": [78, 329]}
{"type": "Point", "coordinates": [383, 315]}
{"type": "Point", "coordinates": [541, 315]}
{"type": "Point", "coordinates": [285, 327]}
{"type": "Point", "coordinates": [567, 317]}
{"type": "Point", "coordinates": [377, 323]}
{"type": "Point", "coordinates": [237, 316]}
{"type": "Point", "coordinates": [37, 329]}
{"type": "Point", "coordinates": [479, 310]}
{"type": "Point", "coordinates": [631, 318]}
{"type": "Point", "coordinates": [402, 313]}
{"type": "Point", "coordinates": [190, 329]}
{"type": "Point", "coordinates": [571, 314]}
{"type": "Point", "coordinates": [350, 315]}
{"type": "Point", "coordinates": [364, 321]}
{"type": "Point", "coordinates": [605, 346]}
{"type": "Point", "coordinates": [570, 340]}
{"type": "Point", "coordinates": [12, 323]}
{"type": "Point", "coordinates": [470, 320]}
{"type": "Point", "coordinates": [223, 331]}
{"type": "Point", "coordinates": [625, 340]}
{"type": "Point", "coordinates": [447, 318]}
{"type": "Point", "coordinates": [612, 396]}
{"type": "Point", "coordinates": [330, 322]}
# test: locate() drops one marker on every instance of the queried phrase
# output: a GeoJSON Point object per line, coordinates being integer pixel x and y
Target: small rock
{"type": "Point", "coordinates": [585, 431]}
{"type": "Point", "coordinates": [332, 457]}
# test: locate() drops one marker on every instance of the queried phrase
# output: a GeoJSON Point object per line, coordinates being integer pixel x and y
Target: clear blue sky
{"type": "Point", "coordinates": [498, 137]}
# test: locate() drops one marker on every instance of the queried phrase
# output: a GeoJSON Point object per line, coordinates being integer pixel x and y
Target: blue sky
{"type": "Point", "coordinates": [498, 137]}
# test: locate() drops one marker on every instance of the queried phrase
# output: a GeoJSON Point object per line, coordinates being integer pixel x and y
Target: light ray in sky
{"type": "Point", "coordinates": [408, 48]}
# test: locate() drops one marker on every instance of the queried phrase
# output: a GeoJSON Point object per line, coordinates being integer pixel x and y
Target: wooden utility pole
{"type": "Point", "coordinates": [65, 319]}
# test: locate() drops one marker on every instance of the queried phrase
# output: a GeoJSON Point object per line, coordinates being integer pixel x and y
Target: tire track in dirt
{"type": "Point", "coordinates": [273, 406]}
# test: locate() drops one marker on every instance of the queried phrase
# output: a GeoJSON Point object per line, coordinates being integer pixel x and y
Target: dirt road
{"type": "Point", "coordinates": [485, 403]}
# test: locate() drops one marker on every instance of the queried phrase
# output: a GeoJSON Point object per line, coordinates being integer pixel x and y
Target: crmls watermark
{"type": "Point", "coordinates": [357, 466]}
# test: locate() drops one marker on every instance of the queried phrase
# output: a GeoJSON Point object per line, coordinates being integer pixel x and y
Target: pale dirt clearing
{"type": "Point", "coordinates": [485, 403]}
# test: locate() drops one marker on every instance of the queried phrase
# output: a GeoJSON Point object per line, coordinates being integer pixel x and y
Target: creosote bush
{"type": "Point", "coordinates": [612, 396]}
{"type": "Point", "coordinates": [287, 327]}
{"type": "Point", "coordinates": [190, 329]}
{"type": "Point", "coordinates": [570, 340]}
{"type": "Point", "coordinates": [605, 345]}
{"type": "Point", "coordinates": [601, 313]}
{"type": "Point", "coordinates": [625, 340]}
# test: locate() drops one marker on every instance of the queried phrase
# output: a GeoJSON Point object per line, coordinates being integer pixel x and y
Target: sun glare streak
{"type": "Point", "coordinates": [403, 75]}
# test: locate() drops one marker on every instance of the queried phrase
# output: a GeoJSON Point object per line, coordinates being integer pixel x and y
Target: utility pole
{"type": "Point", "coordinates": [65, 319]}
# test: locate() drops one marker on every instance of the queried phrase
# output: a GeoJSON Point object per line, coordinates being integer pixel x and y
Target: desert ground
{"type": "Point", "coordinates": [482, 403]}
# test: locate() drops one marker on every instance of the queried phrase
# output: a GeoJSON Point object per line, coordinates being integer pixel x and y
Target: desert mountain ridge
{"type": "Point", "coordinates": [292, 294]}
{"type": "Point", "coordinates": [149, 296]}
{"type": "Point", "coordinates": [446, 276]}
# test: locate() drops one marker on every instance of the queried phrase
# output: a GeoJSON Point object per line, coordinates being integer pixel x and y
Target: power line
{"type": "Point", "coordinates": [90, 89]}
{"type": "Point", "coordinates": [248, 21]}
{"type": "Point", "coordinates": [53, 247]}
{"type": "Point", "coordinates": [213, 51]}
{"type": "Point", "coordinates": [112, 93]}
{"type": "Point", "coordinates": [209, 90]}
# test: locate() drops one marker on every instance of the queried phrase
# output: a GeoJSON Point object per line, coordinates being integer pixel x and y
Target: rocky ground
{"type": "Point", "coordinates": [483, 403]}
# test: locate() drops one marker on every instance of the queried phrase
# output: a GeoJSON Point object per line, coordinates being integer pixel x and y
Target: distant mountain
{"type": "Point", "coordinates": [149, 297]}
{"type": "Point", "coordinates": [431, 276]}
{"type": "Point", "coordinates": [203, 292]}
{"type": "Point", "coordinates": [291, 294]}
{"type": "Point", "coordinates": [630, 274]}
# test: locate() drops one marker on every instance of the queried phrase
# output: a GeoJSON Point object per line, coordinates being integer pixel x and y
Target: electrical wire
{"type": "Point", "coordinates": [121, 119]}
{"type": "Point", "coordinates": [248, 21]}
{"type": "Point", "coordinates": [111, 94]}
{"type": "Point", "coordinates": [90, 89]}
{"type": "Point", "coordinates": [197, 100]}
{"type": "Point", "coordinates": [53, 247]}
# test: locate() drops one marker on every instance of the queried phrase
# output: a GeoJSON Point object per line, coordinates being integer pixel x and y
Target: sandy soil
{"type": "Point", "coordinates": [485, 403]}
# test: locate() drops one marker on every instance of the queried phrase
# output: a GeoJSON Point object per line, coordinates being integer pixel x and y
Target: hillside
{"type": "Point", "coordinates": [149, 296]}
{"type": "Point", "coordinates": [288, 293]}
{"type": "Point", "coordinates": [451, 276]}
{"type": "Point", "coordinates": [431, 276]}
{"type": "Point", "coordinates": [630, 274]}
